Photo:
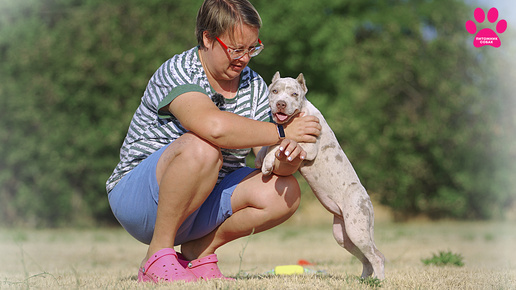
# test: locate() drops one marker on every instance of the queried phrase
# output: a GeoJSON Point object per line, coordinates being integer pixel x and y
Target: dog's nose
{"type": "Point", "coordinates": [281, 105]}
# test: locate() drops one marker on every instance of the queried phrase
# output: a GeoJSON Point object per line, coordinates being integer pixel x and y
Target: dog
{"type": "Point", "coordinates": [330, 175]}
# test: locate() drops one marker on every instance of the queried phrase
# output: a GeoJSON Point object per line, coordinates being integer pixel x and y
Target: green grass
{"type": "Point", "coordinates": [444, 259]}
{"type": "Point", "coordinates": [371, 282]}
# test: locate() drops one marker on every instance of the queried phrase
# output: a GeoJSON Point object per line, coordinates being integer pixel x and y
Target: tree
{"type": "Point", "coordinates": [406, 94]}
{"type": "Point", "coordinates": [72, 75]}
{"type": "Point", "coordinates": [397, 80]}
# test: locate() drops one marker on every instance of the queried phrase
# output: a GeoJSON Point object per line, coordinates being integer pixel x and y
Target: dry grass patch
{"type": "Point", "coordinates": [108, 258]}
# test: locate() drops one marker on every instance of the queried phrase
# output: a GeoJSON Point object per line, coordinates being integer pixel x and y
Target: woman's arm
{"type": "Point", "coordinates": [198, 114]}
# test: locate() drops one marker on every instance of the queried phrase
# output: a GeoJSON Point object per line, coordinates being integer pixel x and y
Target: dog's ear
{"type": "Point", "coordinates": [301, 80]}
{"type": "Point", "coordinates": [276, 76]}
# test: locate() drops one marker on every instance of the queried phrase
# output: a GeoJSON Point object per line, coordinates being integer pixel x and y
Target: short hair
{"type": "Point", "coordinates": [218, 16]}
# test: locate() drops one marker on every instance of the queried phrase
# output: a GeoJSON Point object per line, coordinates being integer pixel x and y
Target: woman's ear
{"type": "Point", "coordinates": [208, 42]}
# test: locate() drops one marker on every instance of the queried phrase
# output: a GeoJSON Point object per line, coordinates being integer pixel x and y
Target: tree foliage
{"type": "Point", "coordinates": [72, 75]}
{"type": "Point", "coordinates": [398, 81]}
{"type": "Point", "coordinates": [412, 103]}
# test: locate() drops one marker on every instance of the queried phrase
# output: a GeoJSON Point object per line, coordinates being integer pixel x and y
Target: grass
{"type": "Point", "coordinates": [444, 259]}
{"type": "Point", "coordinates": [109, 258]}
{"type": "Point", "coordinates": [371, 282]}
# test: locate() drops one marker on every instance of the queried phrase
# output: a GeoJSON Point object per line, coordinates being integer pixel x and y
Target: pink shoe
{"type": "Point", "coordinates": [164, 266]}
{"type": "Point", "coordinates": [204, 268]}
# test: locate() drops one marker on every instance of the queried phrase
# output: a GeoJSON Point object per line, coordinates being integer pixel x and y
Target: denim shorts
{"type": "Point", "coordinates": [134, 202]}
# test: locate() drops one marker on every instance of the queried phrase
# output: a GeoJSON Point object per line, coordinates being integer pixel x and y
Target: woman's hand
{"type": "Point", "coordinates": [304, 129]}
{"type": "Point", "coordinates": [288, 157]}
{"type": "Point", "coordinates": [289, 150]}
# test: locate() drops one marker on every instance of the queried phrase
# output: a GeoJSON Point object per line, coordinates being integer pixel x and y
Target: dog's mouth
{"type": "Point", "coordinates": [281, 117]}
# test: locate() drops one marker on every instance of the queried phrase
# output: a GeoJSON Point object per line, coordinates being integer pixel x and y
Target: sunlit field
{"type": "Point", "coordinates": [108, 258]}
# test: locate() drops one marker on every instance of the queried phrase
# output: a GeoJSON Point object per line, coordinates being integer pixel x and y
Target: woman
{"type": "Point", "coordinates": [188, 151]}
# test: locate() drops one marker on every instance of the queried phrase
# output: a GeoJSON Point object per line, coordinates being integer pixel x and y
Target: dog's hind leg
{"type": "Point", "coordinates": [342, 238]}
{"type": "Point", "coordinates": [354, 231]}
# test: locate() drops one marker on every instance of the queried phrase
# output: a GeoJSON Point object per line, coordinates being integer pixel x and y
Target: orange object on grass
{"type": "Point", "coordinates": [304, 263]}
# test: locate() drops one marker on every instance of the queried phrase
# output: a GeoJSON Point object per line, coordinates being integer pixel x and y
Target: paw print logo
{"type": "Point", "coordinates": [486, 36]}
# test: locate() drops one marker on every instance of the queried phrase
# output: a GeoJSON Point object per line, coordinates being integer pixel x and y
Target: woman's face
{"type": "Point", "coordinates": [218, 61]}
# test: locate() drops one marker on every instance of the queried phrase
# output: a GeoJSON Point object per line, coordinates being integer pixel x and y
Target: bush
{"type": "Point", "coordinates": [444, 259]}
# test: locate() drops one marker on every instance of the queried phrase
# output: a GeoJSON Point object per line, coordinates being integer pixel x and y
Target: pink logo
{"type": "Point", "coordinates": [486, 36]}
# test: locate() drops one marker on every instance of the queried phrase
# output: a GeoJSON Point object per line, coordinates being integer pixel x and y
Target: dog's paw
{"type": "Point", "coordinates": [268, 164]}
{"type": "Point", "coordinates": [266, 171]}
{"type": "Point", "coordinates": [260, 156]}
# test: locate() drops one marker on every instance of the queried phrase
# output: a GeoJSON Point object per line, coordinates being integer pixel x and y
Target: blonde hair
{"type": "Point", "coordinates": [218, 16]}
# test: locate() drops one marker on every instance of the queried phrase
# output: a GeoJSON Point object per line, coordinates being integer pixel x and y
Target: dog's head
{"type": "Point", "coordinates": [286, 97]}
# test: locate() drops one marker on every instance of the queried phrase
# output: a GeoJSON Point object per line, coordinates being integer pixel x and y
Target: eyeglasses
{"type": "Point", "coordinates": [235, 53]}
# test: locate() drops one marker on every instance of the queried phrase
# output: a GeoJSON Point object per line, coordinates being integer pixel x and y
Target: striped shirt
{"type": "Point", "coordinates": [151, 129]}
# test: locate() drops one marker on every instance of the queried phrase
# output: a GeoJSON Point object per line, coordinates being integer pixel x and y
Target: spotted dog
{"type": "Point", "coordinates": [330, 175]}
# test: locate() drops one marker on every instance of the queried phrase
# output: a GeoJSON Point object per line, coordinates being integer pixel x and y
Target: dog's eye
{"type": "Point", "coordinates": [274, 91]}
{"type": "Point", "coordinates": [294, 95]}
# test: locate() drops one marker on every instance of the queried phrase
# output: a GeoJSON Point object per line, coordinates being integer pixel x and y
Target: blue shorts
{"type": "Point", "coordinates": [134, 202]}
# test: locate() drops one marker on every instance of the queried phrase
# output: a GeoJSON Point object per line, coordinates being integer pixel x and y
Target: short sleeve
{"type": "Point", "coordinates": [174, 93]}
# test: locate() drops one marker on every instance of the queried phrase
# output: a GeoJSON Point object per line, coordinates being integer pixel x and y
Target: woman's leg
{"type": "Point", "coordinates": [186, 173]}
{"type": "Point", "coordinates": [259, 203]}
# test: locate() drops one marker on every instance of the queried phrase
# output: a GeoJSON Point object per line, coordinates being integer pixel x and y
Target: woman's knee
{"type": "Point", "coordinates": [195, 152]}
{"type": "Point", "coordinates": [202, 151]}
{"type": "Point", "coordinates": [285, 195]}
{"type": "Point", "coordinates": [195, 149]}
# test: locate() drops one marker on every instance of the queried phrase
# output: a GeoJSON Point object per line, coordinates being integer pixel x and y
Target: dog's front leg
{"type": "Point", "coordinates": [260, 156]}
{"type": "Point", "coordinates": [268, 160]}
{"type": "Point", "coordinates": [311, 150]}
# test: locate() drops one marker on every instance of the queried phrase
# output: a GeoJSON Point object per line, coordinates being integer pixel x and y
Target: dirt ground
{"type": "Point", "coordinates": [108, 258]}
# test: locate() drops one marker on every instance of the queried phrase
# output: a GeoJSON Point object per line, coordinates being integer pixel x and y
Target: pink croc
{"type": "Point", "coordinates": [204, 268]}
{"type": "Point", "coordinates": [164, 266]}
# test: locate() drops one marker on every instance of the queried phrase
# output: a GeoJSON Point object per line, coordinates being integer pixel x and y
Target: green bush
{"type": "Point", "coordinates": [444, 259]}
